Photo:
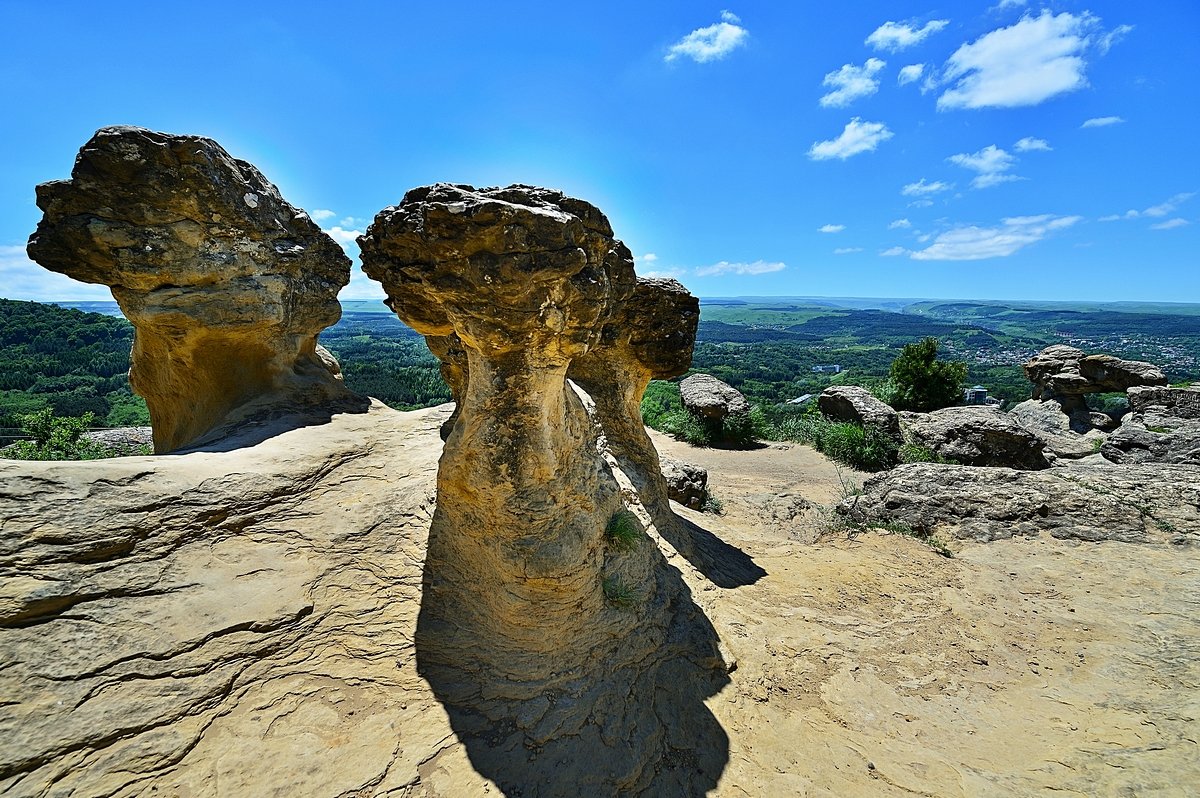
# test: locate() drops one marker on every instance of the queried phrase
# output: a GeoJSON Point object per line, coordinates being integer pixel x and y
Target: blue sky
{"type": "Point", "coordinates": [1008, 150]}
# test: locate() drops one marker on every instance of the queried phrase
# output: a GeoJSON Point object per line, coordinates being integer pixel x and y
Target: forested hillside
{"type": "Point", "coordinates": [67, 360]}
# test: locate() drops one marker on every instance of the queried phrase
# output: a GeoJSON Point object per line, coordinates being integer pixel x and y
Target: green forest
{"type": "Point", "coordinates": [75, 362]}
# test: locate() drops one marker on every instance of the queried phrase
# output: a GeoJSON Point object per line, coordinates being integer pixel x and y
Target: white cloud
{"type": "Point", "coordinates": [21, 278]}
{"type": "Point", "coordinates": [1102, 121]}
{"type": "Point", "coordinates": [711, 43]}
{"type": "Point", "coordinates": [858, 136]}
{"type": "Point", "coordinates": [1024, 64]}
{"type": "Point", "coordinates": [361, 286]}
{"type": "Point", "coordinates": [910, 73]}
{"type": "Point", "coordinates": [1029, 144]}
{"type": "Point", "coordinates": [1170, 224]}
{"type": "Point", "coordinates": [1165, 208]}
{"type": "Point", "coordinates": [649, 257]}
{"type": "Point", "coordinates": [992, 164]}
{"type": "Point", "coordinates": [921, 203]}
{"type": "Point", "coordinates": [921, 188]}
{"type": "Point", "coordinates": [894, 36]}
{"type": "Point", "coordinates": [851, 82]}
{"type": "Point", "coordinates": [321, 214]}
{"type": "Point", "coordinates": [847, 250]}
{"type": "Point", "coordinates": [1113, 36]}
{"type": "Point", "coordinates": [899, 223]}
{"type": "Point", "coordinates": [344, 236]}
{"type": "Point", "coordinates": [725, 267]}
{"type": "Point", "coordinates": [1005, 4]}
{"type": "Point", "coordinates": [978, 243]}
{"type": "Point", "coordinates": [1170, 205]}
{"type": "Point", "coordinates": [893, 252]}
{"type": "Point", "coordinates": [831, 228]}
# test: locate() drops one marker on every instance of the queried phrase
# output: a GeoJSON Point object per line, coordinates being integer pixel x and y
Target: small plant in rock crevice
{"type": "Point", "coordinates": [713, 505]}
{"type": "Point", "coordinates": [623, 530]}
{"type": "Point", "coordinates": [619, 594]}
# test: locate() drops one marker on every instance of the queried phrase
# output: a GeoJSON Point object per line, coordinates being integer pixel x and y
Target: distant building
{"type": "Point", "coordinates": [978, 395]}
{"type": "Point", "coordinates": [801, 400]}
{"type": "Point", "coordinates": [833, 368]}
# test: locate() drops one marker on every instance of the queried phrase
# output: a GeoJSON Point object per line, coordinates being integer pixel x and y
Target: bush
{"type": "Point", "coordinates": [922, 382]}
{"type": "Point", "coordinates": [915, 453]}
{"type": "Point", "coordinates": [663, 411]}
{"type": "Point", "coordinates": [864, 448]}
{"type": "Point", "coordinates": [55, 438]}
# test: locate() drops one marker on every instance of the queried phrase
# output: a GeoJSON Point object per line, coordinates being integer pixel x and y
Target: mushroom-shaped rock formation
{"type": "Point", "coordinates": [1060, 370]}
{"type": "Point", "coordinates": [226, 284]}
{"type": "Point", "coordinates": [651, 336]}
{"type": "Point", "coordinates": [540, 628]}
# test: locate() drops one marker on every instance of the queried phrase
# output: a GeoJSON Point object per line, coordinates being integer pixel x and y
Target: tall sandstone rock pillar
{"type": "Point", "coordinates": [225, 283]}
{"type": "Point", "coordinates": [518, 282]}
{"type": "Point", "coordinates": [651, 336]}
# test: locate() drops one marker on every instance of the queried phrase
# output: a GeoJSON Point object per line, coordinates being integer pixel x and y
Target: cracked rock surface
{"type": "Point", "coordinates": [225, 283]}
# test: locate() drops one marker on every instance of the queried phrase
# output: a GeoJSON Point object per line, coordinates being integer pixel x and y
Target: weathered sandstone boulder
{"type": "Point", "coordinates": [1163, 426]}
{"type": "Point", "coordinates": [1054, 423]}
{"type": "Point", "coordinates": [650, 336]}
{"type": "Point", "coordinates": [707, 397]}
{"type": "Point", "coordinates": [1159, 503]}
{"type": "Point", "coordinates": [687, 483]}
{"type": "Point", "coordinates": [1061, 370]}
{"type": "Point", "coordinates": [225, 283]}
{"type": "Point", "coordinates": [976, 436]}
{"type": "Point", "coordinates": [531, 613]}
{"type": "Point", "coordinates": [857, 405]}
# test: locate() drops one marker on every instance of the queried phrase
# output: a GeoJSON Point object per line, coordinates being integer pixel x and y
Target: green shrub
{"type": "Point", "coordinates": [922, 382]}
{"type": "Point", "coordinates": [623, 530]}
{"type": "Point", "coordinates": [864, 448]}
{"type": "Point", "coordinates": [713, 505]}
{"type": "Point", "coordinates": [55, 438]}
{"type": "Point", "coordinates": [915, 453]}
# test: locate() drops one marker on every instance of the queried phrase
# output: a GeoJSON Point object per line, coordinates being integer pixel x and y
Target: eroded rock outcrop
{"type": "Point", "coordinates": [650, 336]}
{"type": "Point", "coordinates": [1163, 426]}
{"type": "Point", "coordinates": [225, 283]}
{"type": "Point", "coordinates": [975, 436]}
{"type": "Point", "coordinates": [854, 404]}
{"type": "Point", "coordinates": [1158, 503]}
{"type": "Point", "coordinates": [1062, 370]}
{"type": "Point", "coordinates": [531, 617]}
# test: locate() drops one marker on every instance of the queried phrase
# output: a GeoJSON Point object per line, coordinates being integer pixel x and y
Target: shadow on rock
{"type": "Point", "coordinates": [628, 718]}
{"type": "Point", "coordinates": [269, 422]}
{"type": "Point", "coordinates": [723, 564]}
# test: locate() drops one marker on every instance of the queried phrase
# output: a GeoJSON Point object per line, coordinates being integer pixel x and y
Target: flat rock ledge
{"type": "Point", "coordinates": [1133, 504]}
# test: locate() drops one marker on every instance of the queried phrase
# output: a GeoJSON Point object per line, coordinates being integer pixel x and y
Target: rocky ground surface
{"type": "Point", "coordinates": [244, 622]}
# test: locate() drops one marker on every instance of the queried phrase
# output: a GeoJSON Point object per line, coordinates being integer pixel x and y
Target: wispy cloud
{"type": "Point", "coordinates": [847, 250]}
{"type": "Point", "coordinates": [321, 214]}
{"type": "Point", "coordinates": [1170, 224]}
{"type": "Point", "coordinates": [895, 36]}
{"type": "Point", "coordinates": [857, 137]}
{"type": "Point", "coordinates": [1164, 208]}
{"type": "Point", "coordinates": [892, 252]}
{"type": "Point", "coordinates": [831, 228]}
{"type": "Point", "coordinates": [647, 259]}
{"type": "Point", "coordinates": [851, 82]}
{"type": "Point", "coordinates": [1102, 121]}
{"type": "Point", "coordinates": [921, 188]}
{"type": "Point", "coordinates": [1030, 144]}
{"type": "Point", "coordinates": [992, 164]}
{"type": "Point", "coordinates": [1006, 4]}
{"type": "Point", "coordinates": [910, 73]}
{"type": "Point", "coordinates": [969, 242]}
{"type": "Point", "coordinates": [1024, 64]}
{"type": "Point", "coordinates": [725, 267]}
{"type": "Point", "coordinates": [711, 43]}
{"type": "Point", "coordinates": [899, 223]}
{"type": "Point", "coordinates": [24, 279]}
{"type": "Point", "coordinates": [343, 236]}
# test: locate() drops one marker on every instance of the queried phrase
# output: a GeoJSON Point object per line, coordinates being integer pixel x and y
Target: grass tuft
{"type": "Point", "coordinates": [623, 530]}
{"type": "Point", "coordinates": [619, 594]}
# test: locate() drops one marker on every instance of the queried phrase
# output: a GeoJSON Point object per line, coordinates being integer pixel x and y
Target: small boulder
{"type": "Point", "coordinates": [857, 405]}
{"type": "Point", "coordinates": [1054, 424]}
{"type": "Point", "coordinates": [705, 396]}
{"type": "Point", "coordinates": [976, 436]}
{"type": "Point", "coordinates": [1163, 426]}
{"type": "Point", "coordinates": [687, 484]}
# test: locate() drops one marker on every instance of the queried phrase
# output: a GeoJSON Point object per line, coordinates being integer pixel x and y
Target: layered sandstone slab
{"type": "Point", "coordinates": [226, 284]}
{"type": "Point", "coordinates": [1061, 370]}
